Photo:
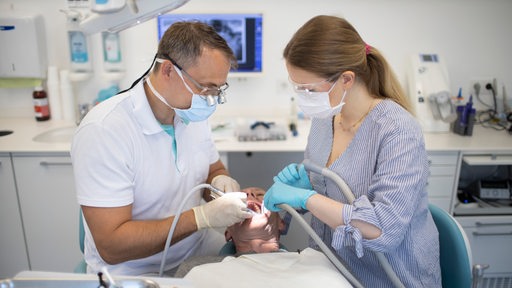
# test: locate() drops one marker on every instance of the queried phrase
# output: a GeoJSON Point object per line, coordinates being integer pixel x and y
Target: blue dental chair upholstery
{"type": "Point", "coordinates": [82, 266]}
{"type": "Point", "coordinates": [455, 252]}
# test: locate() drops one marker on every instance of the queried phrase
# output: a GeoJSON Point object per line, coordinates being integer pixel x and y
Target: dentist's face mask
{"type": "Point", "coordinates": [316, 104]}
{"type": "Point", "coordinates": [200, 109]}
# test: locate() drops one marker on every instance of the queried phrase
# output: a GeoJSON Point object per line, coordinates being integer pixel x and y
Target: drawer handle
{"type": "Point", "coordinates": [48, 163]}
{"type": "Point", "coordinates": [492, 234]}
{"type": "Point", "coordinates": [480, 224]}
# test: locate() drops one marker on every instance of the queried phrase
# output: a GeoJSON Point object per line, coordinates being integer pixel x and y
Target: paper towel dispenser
{"type": "Point", "coordinates": [23, 48]}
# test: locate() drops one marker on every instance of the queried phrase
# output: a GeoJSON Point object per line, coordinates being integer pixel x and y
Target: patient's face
{"type": "Point", "coordinates": [260, 233]}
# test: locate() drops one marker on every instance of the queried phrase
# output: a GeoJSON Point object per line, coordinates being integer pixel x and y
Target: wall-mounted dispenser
{"type": "Point", "coordinates": [112, 59]}
{"type": "Point", "coordinates": [23, 48]}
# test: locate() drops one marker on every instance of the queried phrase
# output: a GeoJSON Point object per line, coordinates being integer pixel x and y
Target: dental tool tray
{"type": "Point", "coordinates": [261, 131]}
{"type": "Point", "coordinates": [74, 283]}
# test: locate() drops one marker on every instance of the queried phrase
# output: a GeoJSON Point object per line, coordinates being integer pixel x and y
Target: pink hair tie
{"type": "Point", "coordinates": [367, 48]}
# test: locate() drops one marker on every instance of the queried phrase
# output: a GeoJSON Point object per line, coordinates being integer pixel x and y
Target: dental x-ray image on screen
{"type": "Point", "coordinates": [242, 32]}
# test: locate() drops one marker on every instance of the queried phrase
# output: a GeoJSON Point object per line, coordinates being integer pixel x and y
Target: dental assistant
{"type": "Point", "coordinates": [136, 155]}
{"type": "Point", "coordinates": [362, 130]}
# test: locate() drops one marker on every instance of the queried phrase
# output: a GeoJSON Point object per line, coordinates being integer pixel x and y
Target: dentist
{"type": "Point", "coordinates": [136, 155]}
{"type": "Point", "coordinates": [361, 130]}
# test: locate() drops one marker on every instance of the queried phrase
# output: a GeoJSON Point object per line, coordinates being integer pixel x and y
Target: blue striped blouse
{"type": "Point", "coordinates": [386, 168]}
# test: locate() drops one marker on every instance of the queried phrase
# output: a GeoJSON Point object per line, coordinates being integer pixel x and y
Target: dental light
{"type": "Point", "coordinates": [122, 14]}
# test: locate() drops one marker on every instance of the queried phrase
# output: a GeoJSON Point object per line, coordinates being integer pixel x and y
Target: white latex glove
{"type": "Point", "coordinates": [221, 212]}
{"type": "Point", "coordinates": [225, 183]}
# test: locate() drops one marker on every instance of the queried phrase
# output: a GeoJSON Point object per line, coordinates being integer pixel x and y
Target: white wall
{"type": "Point", "coordinates": [471, 35]}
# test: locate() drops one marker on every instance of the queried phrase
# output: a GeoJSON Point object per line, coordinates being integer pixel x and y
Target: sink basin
{"type": "Point", "coordinates": [57, 135]}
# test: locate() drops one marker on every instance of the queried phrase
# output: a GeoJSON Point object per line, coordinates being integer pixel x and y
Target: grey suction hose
{"type": "Point", "coordinates": [175, 222]}
{"type": "Point", "coordinates": [350, 197]}
{"type": "Point", "coordinates": [334, 260]}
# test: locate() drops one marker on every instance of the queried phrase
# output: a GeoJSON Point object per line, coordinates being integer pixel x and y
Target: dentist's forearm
{"type": "Point", "coordinates": [137, 239]}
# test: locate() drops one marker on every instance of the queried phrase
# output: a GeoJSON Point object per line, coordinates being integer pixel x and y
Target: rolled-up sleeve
{"type": "Point", "coordinates": [391, 199]}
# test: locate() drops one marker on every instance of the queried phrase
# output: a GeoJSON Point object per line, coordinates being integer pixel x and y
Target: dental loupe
{"type": "Point", "coordinates": [210, 99]}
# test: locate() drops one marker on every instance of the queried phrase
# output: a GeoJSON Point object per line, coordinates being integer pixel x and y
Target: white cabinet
{"type": "Point", "coordinates": [49, 210]}
{"type": "Point", "coordinates": [490, 238]}
{"type": "Point", "coordinates": [442, 180]}
{"type": "Point", "coordinates": [13, 255]}
{"type": "Point", "coordinates": [489, 225]}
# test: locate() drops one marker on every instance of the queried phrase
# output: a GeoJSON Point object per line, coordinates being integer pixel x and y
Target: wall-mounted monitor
{"type": "Point", "coordinates": [243, 33]}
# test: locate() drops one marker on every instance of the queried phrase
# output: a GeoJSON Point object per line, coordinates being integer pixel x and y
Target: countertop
{"type": "Point", "coordinates": [484, 140]}
{"type": "Point", "coordinates": [24, 131]}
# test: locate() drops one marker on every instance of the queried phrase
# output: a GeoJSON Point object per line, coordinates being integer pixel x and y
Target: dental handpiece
{"type": "Point", "coordinates": [242, 195]}
{"type": "Point", "coordinates": [216, 191]}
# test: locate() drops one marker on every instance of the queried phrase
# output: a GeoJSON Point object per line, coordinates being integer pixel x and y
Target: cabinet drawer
{"type": "Point", "coordinates": [440, 186]}
{"type": "Point", "coordinates": [447, 170]}
{"type": "Point", "coordinates": [442, 158]}
{"type": "Point", "coordinates": [490, 239]}
{"type": "Point", "coordinates": [491, 246]}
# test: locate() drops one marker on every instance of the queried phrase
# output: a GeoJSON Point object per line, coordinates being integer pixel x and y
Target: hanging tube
{"type": "Point", "coordinates": [310, 166]}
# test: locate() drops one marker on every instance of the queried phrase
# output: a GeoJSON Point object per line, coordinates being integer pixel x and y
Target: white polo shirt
{"type": "Point", "coordinates": [121, 156]}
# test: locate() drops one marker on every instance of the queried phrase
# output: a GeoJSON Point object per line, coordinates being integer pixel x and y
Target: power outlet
{"type": "Point", "coordinates": [477, 88]}
{"type": "Point", "coordinates": [484, 98]}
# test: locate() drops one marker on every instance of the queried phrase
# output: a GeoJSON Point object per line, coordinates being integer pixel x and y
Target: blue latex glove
{"type": "Point", "coordinates": [294, 175]}
{"type": "Point", "coordinates": [281, 193]}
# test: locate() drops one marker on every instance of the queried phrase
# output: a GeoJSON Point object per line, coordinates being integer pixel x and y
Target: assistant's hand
{"type": "Point", "coordinates": [221, 212]}
{"type": "Point", "coordinates": [225, 183]}
{"type": "Point", "coordinates": [281, 193]}
{"type": "Point", "coordinates": [294, 175]}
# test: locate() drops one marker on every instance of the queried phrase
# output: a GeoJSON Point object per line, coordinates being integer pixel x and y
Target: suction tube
{"type": "Point", "coordinates": [330, 255]}
{"type": "Point", "coordinates": [310, 166]}
{"type": "Point", "coordinates": [175, 222]}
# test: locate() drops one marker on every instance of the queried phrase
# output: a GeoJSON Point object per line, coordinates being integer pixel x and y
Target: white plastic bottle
{"type": "Point", "coordinates": [79, 52]}
{"type": "Point", "coordinates": [52, 83]}
{"type": "Point", "coordinates": [67, 97]}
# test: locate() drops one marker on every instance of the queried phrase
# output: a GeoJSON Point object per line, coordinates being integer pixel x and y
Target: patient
{"type": "Point", "coordinates": [252, 238]}
{"type": "Point", "coordinates": [259, 234]}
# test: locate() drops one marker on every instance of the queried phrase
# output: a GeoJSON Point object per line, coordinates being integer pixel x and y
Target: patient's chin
{"type": "Point", "coordinates": [266, 247]}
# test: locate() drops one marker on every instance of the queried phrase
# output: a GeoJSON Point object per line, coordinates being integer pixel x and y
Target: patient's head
{"type": "Point", "coordinates": [260, 233]}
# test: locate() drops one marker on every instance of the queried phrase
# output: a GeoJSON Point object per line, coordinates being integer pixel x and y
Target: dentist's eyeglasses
{"type": "Point", "coordinates": [212, 94]}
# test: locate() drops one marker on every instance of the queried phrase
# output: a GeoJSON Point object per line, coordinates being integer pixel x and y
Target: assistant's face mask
{"type": "Point", "coordinates": [317, 104]}
{"type": "Point", "coordinates": [199, 109]}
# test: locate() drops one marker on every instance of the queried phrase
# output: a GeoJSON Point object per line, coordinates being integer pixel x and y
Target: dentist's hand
{"type": "Point", "coordinates": [294, 175]}
{"type": "Point", "coordinates": [221, 212]}
{"type": "Point", "coordinates": [225, 183]}
{"type": "Point", "coordinates": [281, 193]}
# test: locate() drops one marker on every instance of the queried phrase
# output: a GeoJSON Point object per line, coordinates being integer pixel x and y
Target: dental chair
{"type": "Point", "coordinates": [82, 266]}
{"type": "Point", "coordinates": [455, 252]}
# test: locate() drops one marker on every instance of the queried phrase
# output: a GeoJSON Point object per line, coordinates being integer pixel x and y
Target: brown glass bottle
{"type": "Point", "coordinates": [41, 105]}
